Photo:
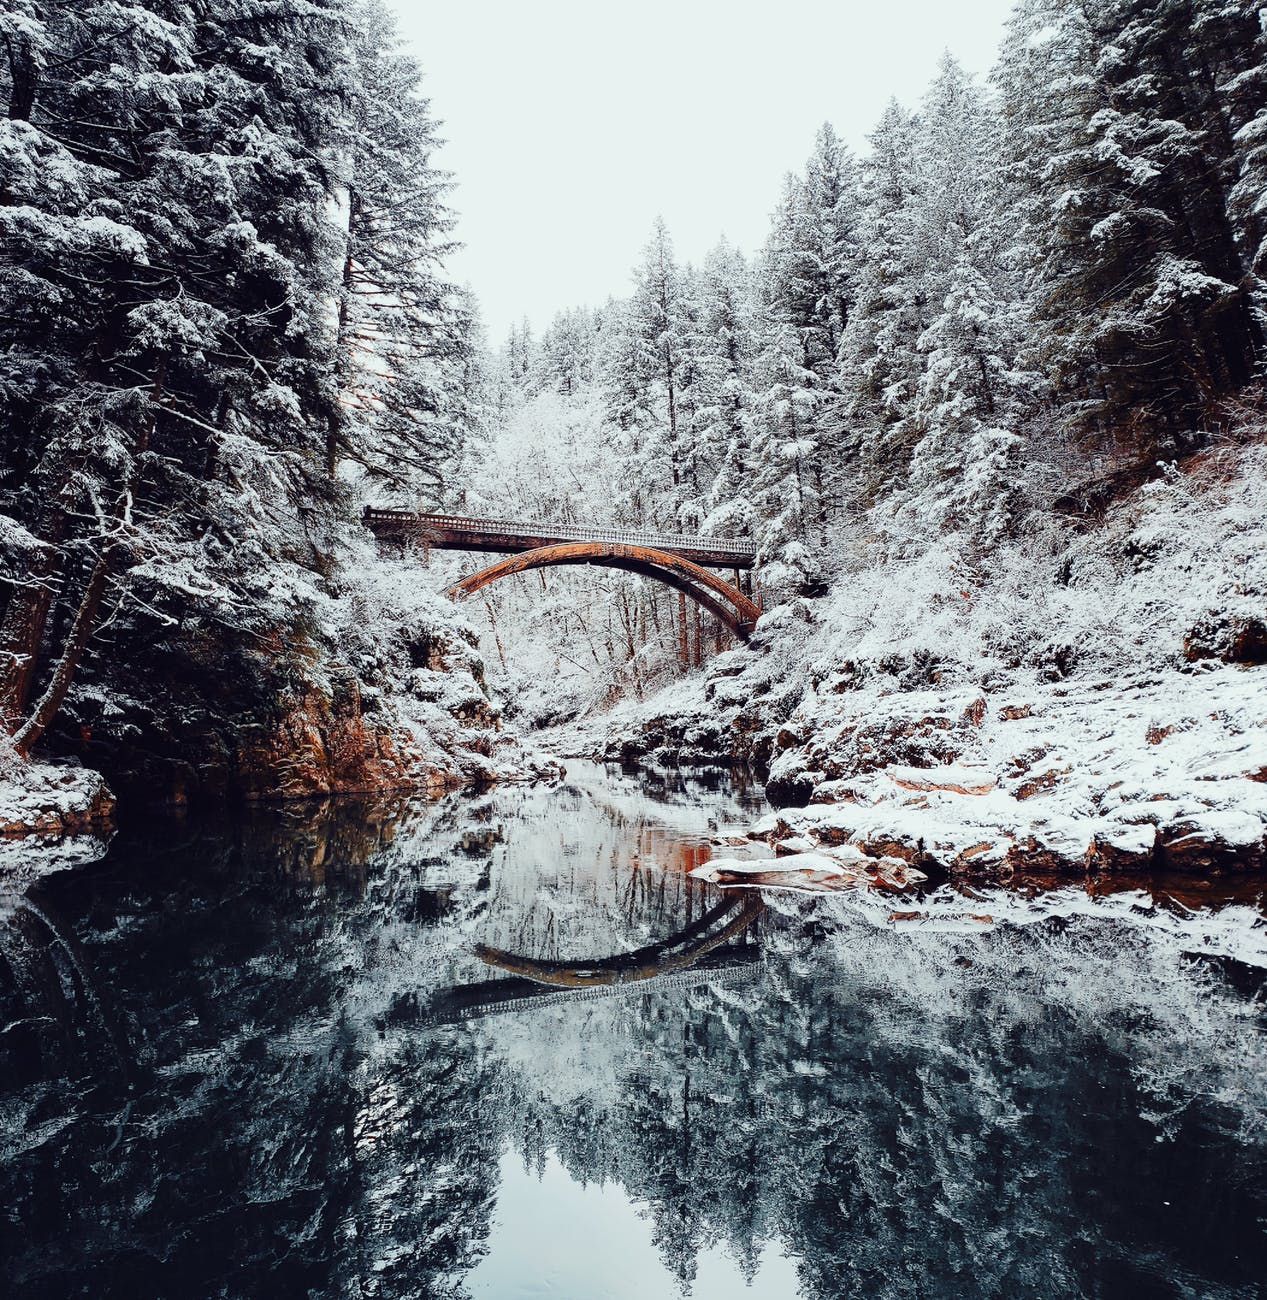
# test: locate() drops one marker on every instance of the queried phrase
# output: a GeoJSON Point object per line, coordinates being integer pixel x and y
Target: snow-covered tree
{"type": "Point", "coordinates": [878, 355]}
{"type": "Point", "coordinates": [404, 331]}
{"type": "Point", "coordinates": [644, 361]}
{"type": "Point", "coordinates": [192, 196]}
{"type": "Point", "coordinates": [808, 287]}
{"type": "Point", "coordinates": [1126, 161]}
{"type": "Point", "coordinates": [167, 343]}
{"type": "Point", "coordinates": [970, 394]}
{"type": "Point", "coordinates": [725, 421]}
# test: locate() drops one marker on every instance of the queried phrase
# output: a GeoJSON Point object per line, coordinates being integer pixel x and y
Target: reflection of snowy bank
{"type": "Point", "coordinates": [1236, 930]}
{"type": "Point", "coordinates": [1176, 991]}
{"type": "Point", "coordinates": [25, 860]}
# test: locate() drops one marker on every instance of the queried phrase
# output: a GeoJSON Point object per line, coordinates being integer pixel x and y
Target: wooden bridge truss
{"type": "Point", "coordinates": [678, 561]}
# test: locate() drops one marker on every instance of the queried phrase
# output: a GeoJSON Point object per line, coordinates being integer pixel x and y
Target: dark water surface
{"type": "Point", "coordinates": [503, 1046]}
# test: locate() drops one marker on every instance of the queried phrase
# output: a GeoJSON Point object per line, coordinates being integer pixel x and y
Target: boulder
{"type": "Point", "coordinates": [951, 778]}
{"type": "Point", "coordinates": [1230, 637]}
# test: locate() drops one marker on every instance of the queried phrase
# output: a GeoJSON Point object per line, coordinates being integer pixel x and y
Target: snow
{"type": "Point", "coordinates": [46, 799]}
{"type": "Point", "coordinates": [982, 715]}
{"type": "Point", "coordinates": [1078, 771]}
{"type": "Point", "coordinates": [948, 776]}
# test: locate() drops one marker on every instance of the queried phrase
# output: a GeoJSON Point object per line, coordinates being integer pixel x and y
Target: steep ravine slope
{"type": "Point", "coordinates": [382, 689]}
{"type": "Point", "coordinates": [1093, 698]}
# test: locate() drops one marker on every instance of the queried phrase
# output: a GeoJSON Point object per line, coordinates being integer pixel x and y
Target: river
{"type": "Point", "coordinates": [502, 1045]}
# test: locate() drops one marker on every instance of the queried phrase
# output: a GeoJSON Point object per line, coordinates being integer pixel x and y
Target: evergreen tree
{"type": "Point", "coordinates": [810, 260]}
{"type": "Point", "coordinates": [165, 340]}
{"type": "Point", "coordinates": [963, 473]}
{"type": "Point", "coordinates": [1228, 40]}
{"type": "Point", "coordinates": [1138, 271]}
{"type": "Point", "coordinates": [969, 396]}
{"type": "Point", "coordinates": [878, 356]}
{"type": "Point", "coordinates": [808, 286]}
{"type": "Point", "coordinates": [644, 377]}
{"type": "Point", "coordinates": [567, 357]}
{"type": "Point", "coordinates": [404, 330]}
{"type": "Point", "coordinates": [218, 223]}
{"type": "Point", "coordinates": [785, 444]}
{"type": "Point", "coordinates": [725, 426]}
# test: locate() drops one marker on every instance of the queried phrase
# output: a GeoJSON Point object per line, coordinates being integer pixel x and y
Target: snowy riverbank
{"type": "Point", "coordinates": [50, 801]}
{"type": "Point", "coordinates": [1091, 700]}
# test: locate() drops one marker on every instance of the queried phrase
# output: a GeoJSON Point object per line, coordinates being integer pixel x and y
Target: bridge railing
{"type": "Point", "coordinates": [566, 532]}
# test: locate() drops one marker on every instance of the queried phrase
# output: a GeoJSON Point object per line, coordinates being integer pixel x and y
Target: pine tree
{"type": "Point", "coordinates": [808, 289]}
{"type": "Point", "coordinates": [725, 424]}
{"type": "Point", "coordinates": [811, 257]}
{"type": "Point", "coordinates": [166, 344]}
{"type": "Point", "coordinates": [963, 474]}
{"type": "Point", "coordinates": [644, 375]}
{"type": "Point", "coordinates": [878, 358]}
{"type": "Point", "coordinates": [567, 357]}
{"type": "Point", "coordinates": [1138, 271]}
{"type": "Point", "coordinates": [785, 443]}
{"type": "Point", "coordinates": [403, 336]}
{"type": "Point", "coordinates": [969, 396]}
{"type": "Point", "coordinates": [1228, 43]}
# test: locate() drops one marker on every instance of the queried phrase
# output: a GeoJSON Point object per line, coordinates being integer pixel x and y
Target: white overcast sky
{"type": "Point", "coordinates": [571, 123]}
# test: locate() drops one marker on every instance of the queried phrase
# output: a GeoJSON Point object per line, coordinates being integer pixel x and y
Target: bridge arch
{"type": "Point", "coordinates": [725, 602]}
{"type": "Point", "coordinates": [678, 952]}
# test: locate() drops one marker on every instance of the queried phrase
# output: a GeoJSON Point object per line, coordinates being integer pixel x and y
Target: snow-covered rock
{"type": "Point", "coordinates": [50, 801]}
{"type": "Point", "coordinates": [1088, 701]}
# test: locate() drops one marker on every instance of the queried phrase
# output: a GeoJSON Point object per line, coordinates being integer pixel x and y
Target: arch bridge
{"type": "Point", "coordinates": [678, 561]}
{"type": "Point", "coordinates": [706, 950]}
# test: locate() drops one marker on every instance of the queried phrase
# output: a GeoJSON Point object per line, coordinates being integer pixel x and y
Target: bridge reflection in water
{"type": "Point", "coordinates": [699, 951]}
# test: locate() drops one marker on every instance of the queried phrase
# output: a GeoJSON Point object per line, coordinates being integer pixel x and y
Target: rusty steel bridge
{"type": "Point", "coordinates": [681, 562]}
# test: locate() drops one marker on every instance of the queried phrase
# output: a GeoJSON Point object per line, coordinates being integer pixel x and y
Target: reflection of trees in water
{"type": "Point", "coordinates": [911, 1115]}
{"type": "Point", "coordinates": [248, 965]}
{"type": "Point", "coordinates": [982, 1128]}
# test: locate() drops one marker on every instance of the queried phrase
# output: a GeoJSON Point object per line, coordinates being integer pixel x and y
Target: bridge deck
{"type": "Point", "coordinates": [510, 536]}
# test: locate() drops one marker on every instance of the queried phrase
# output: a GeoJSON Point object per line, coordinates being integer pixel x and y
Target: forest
{"type": "Point", "coordinates": [989, 404]}
{"type": "Point", "coordinates": [902, 936]}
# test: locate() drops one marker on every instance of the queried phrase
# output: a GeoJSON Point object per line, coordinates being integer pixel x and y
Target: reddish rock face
{"type": "Point", "coordinates": [325, 745]}
{"type": "Point", "coordinates": [1029, 857]}
{"type": "Point", "coordinates": [1185, 848]}
{"type": "Point", "coordinates": [1035, 785]}
{"type": "Point", "coordinates": [1231, 638]}
{"type": "Point", "coordinates": [974, 714]}
{"type": "Point", "coordinates": [1103, 856]}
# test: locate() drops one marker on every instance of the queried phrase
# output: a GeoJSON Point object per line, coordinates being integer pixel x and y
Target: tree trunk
{"type": "Point", "coordinates": [334, 424]}
{"type": "Point", "coordinates": [673, 447]}
{"type": "Point", "coordinates": [497, 640]}
{"type": "Point", "coordinates": [81, 631]}
{"type": "Point", "coordinates": [25, 619]}
{"type": "Point", "coordinates": [23, 78]}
